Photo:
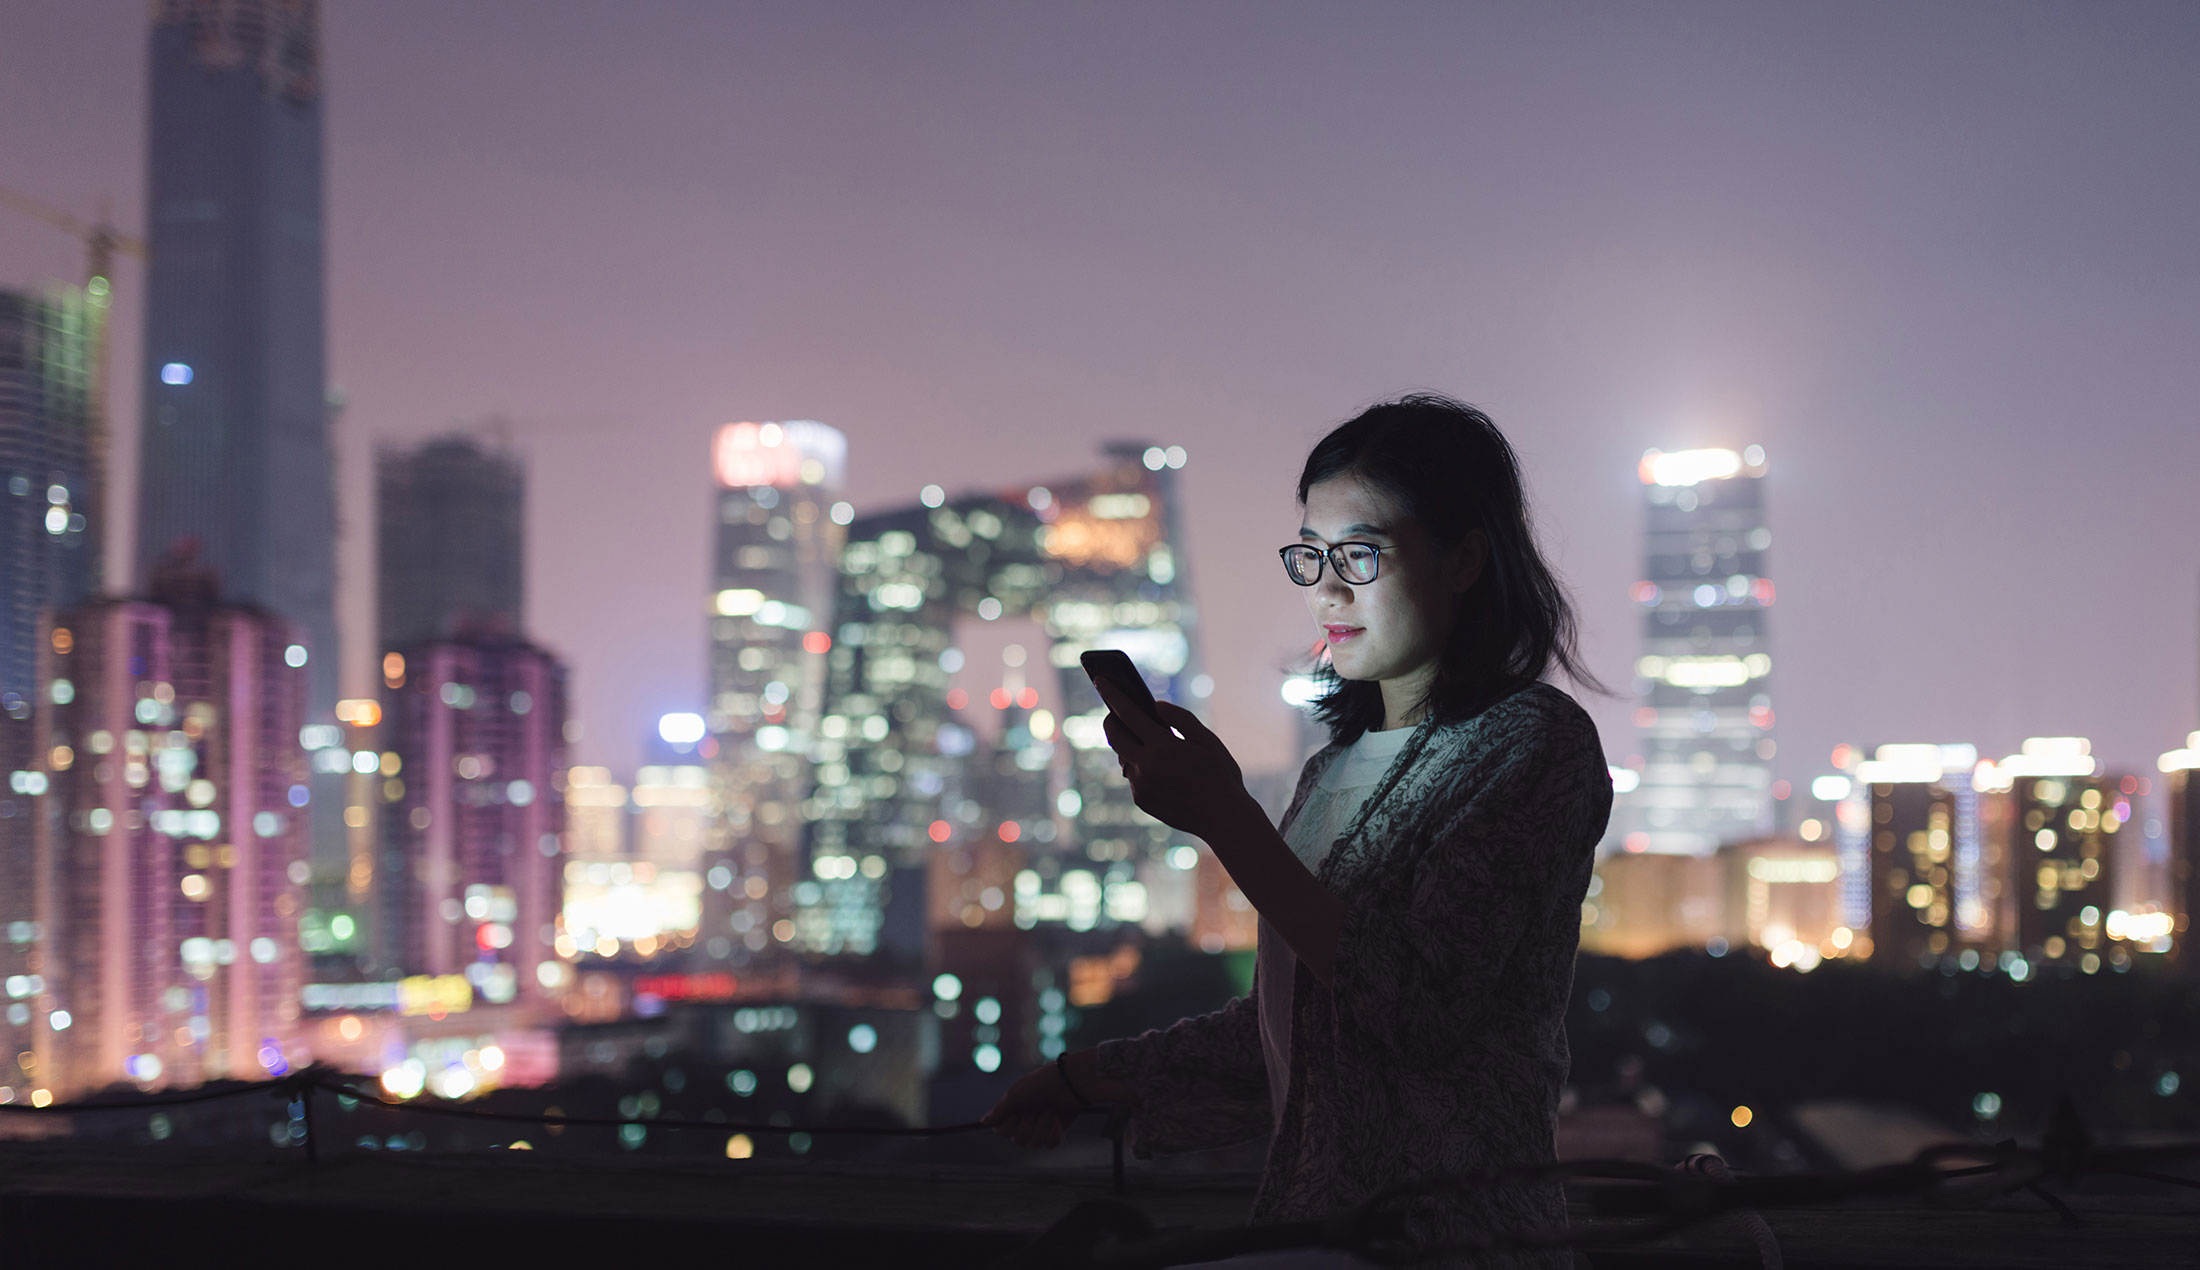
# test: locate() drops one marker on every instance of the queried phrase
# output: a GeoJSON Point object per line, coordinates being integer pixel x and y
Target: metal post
{"type": "Point", "coordinates": [1115, 1135]}
{"type": "Point", "coordinates": [313, 1139]}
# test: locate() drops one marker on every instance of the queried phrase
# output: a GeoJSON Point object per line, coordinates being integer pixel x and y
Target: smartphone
{"type": "Point", "coordinates": [1115, 666]}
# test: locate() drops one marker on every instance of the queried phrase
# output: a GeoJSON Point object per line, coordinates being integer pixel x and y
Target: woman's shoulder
{"type": "Point", "coordinates": [1540, 710]}
{"type": "Point", "coordinates": [1536, 743]}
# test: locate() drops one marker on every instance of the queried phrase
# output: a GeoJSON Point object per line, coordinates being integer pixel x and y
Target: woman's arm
{"type": "Point", "coordinates": [1084, 1073]}
{"type": "Point", "coordinates": [1191, 782]}
{"type": "Point", "coordinates": [1278, 884]}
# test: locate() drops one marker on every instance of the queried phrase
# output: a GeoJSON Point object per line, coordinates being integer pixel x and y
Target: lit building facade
{"type": "Point", "coordinates": [769, 605]}
{"type": "Point", "coordinates": [450, 531]}
{"type": "Point", "coordinates": [234, 446]}
{"type": "Point", "coordinates": [2180, 770]}
{"type": "Point", "coordinates": [1705, 714]}
{"type": "Point", "coordinates": [1784, 897]}
{"type": "Point", "coordinates": [634, 859]}
{"type": "Point", "coordinates": [900, 779]}
{"type": "Point", "coordinates": [48, 561]}
{"type": "Point", "coordinates": [1913, 868]}
{"type": "Point", "coordinates": [1643, 903]}
{"type": "Point", "coordinates": [171, 855]}
{"type": "Point", "coordinates": [1911, 830]}
{"type": "Point", "coordinates": [46, 525]}
{"type": "Point", "coordinates": [473, 783]}
{"type": "Point", "coordinates": [2065, 818]}
{"type": "Point", "coordinates": [450, 565]}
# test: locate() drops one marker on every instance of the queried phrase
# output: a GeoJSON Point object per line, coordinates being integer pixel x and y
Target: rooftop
{"type": "Point", "coordinates": [75, 1202]}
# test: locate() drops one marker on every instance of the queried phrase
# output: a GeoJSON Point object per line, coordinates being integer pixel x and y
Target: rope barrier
{"type": "Point", "coordinates": [1116, 1235]}
{"type": "Point", "coordinates": [1658, 1201]}
{"type": "Point", "coordinates": [155, 1100]}
{"type": "Point", "coordinates": [299, 1086]}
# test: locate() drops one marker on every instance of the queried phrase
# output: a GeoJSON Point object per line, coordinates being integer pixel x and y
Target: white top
{"type": "Point", "coordinates": [1328, 812]}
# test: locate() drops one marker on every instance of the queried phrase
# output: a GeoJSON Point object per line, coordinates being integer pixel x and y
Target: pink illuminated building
{"type": "Point", "coordinates": [170, 857]}
{"type": "Point", "coordinates": [473, 813]}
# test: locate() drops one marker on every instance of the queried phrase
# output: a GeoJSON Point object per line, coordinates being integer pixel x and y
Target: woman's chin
{"type": "Point", "coordinates": [1346, 663]}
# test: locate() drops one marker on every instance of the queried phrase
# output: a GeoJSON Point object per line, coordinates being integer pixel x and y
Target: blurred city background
{"type": "Point", "coordinates": [546, 546]}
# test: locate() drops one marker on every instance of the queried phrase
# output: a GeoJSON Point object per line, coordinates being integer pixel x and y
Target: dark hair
{"type": "Point", "coordinates": [1447, 467]}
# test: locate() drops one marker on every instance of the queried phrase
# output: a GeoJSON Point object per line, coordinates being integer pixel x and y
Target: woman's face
{"type": "Point", "coordinates": [1396, 625]}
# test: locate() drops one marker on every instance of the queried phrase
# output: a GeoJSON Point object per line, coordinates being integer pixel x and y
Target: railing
{"type": "Point", "coordinates": [301, 1085]}
{"type": "Point", "coordinates": [1654, 1201]}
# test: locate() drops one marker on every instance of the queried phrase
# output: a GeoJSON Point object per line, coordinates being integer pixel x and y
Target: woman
{"type": "Point", "coordinates": [1420, 904]}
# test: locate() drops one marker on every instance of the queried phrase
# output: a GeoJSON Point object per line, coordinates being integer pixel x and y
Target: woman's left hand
{"type": "Point", "coordinates": [1187, 782]}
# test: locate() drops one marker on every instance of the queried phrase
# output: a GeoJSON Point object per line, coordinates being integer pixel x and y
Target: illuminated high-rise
{"type": "Point", "coordinates": [48, 560]}
{"type": "Point", "coordinates": [904, 791]}
{"type": "Point", "coordinates": [633, 869]}
{"type": "Point", "coordinates": [171, 852]}
{"type": "Point", "coordinates": [473, 781]}
{"type": "Point", "coordinates": [1925, 855]}
{"type": "Point", "coordinates": [2180, 770]}
{"type": "Point", "coordinates": [2065, 819]}
{"type": "Point", "coordinates": [46, 535]}
{"type": "Point", "coordinates": [769, 606]}
{"type": "Point", "coordinates": [235, 456]}
{"type": "Point", "coordinates": [1703, 677]}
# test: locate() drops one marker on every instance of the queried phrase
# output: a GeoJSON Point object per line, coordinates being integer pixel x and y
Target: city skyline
{"type": "Point", "coordinates": [578, 628]}
{"type": "Point", "coordinates": [1720, 312]}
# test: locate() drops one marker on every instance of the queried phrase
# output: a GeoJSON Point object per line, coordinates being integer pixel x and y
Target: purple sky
{"type": "Point", "coordinates": [1938, 259]}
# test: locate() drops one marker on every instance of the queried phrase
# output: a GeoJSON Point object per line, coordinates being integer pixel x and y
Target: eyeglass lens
{"type": "Point", "coordinates": [1355, 563]}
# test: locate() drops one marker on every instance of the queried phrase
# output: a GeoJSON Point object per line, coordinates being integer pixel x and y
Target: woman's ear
{"type": "Point", "coordinates": [1469, 560]}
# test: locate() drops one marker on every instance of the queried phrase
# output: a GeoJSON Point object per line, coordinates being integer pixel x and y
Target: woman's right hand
{"type": "Point", "coordinates": [1035, 1109]}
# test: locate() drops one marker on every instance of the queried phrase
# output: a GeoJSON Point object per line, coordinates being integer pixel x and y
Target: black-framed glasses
{"type": "Point", "coordinates": [1357, 562]}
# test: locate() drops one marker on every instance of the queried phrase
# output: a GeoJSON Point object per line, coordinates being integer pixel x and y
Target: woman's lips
{"type": "Point", "coordinates": [1339, 634]}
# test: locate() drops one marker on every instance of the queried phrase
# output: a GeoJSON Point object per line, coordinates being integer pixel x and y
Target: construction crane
{"type": "Point", "coordinates": [101, 242]}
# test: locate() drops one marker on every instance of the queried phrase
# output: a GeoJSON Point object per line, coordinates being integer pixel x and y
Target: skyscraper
{"type": "Point", "coordinates": [170, 861]}
{"type": "Point", "coordinates": [2063, 822]}
{"type": "Point", "coordinates": [234, 448]}
{"type": "Point", "coordinates": [473, 817]}
{"type": "Point", "coordinates": [1924, 863]}
{"type": "Point", "coordinates": [2180, 770]}
{"type": "Point", "coordinates": [46, 542]}
{"type": "Point", "coordinates": [772, 573]}
{"type": "Point", "coordinates": [900, 778]}
{"type": "Point", "coordinates": [449, 531]}
{"type": "Point", "coordinates": [1705, 718]}
{"type": "Point", "coordinates": [48, 560]}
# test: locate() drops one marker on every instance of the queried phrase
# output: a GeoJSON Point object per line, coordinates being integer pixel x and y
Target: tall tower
{"type": "Point", "coordinates": [770, 606]}
{"type": "Point", "coordinates": [234, 450]}
{"type": "Point", "coordinates": [1705, 717]}
{"type": "Point", "coordinates": [169, 852]}
{"type": "Point", "coordinates": [901, 786]}
{"type": "Point", "coordinates": [473, 826]}
{"type": "Point", "coordinates": [46, 539]}
{"type": "Point", "coordinates": [48, 560]}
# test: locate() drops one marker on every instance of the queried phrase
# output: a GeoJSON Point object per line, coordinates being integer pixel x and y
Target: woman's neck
{"type": "Point", "coordinates": [1405, 697]}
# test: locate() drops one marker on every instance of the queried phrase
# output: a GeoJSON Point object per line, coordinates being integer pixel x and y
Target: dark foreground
{"type": "Point", "coordinates": [78, 1204]}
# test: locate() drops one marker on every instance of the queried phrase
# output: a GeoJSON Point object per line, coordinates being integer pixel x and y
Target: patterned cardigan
{"type": "Point", "coordinates": [1440, 1046]}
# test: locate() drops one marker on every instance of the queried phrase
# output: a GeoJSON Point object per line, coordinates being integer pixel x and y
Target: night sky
{"type": "Point", "coordinates": [1940, 260]}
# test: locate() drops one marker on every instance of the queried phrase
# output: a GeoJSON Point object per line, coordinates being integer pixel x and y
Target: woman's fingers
{"type": "Point", "coordinates": [1184, 721]}
{"type": "Point", "coordinates": [1129, 717]}
{"type": "Point", "coordinates": [1120, 737]}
